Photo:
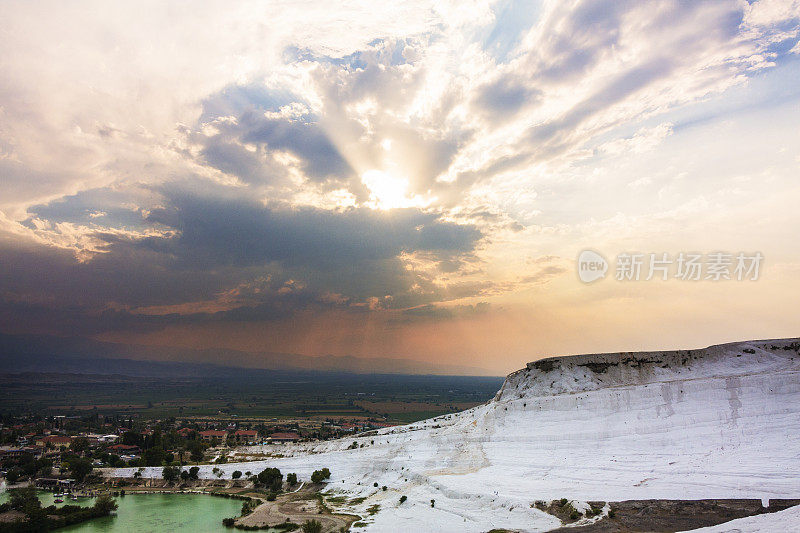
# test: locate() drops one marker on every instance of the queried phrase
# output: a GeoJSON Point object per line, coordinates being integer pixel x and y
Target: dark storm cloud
{"type": "Point", "coordinates": [101, 207]}
{"type": "Point", "coordinates": [258, 120]}
{"type": "Point", "coordinates": [227, 258]}
{"type": "Point", "coordinates": [303, 138]}
{"type": "Point", "coordinates": [241, 232]}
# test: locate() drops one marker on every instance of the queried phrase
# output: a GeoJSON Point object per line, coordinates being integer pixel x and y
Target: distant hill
{"type": "Point", "coordinates": [41, 353]}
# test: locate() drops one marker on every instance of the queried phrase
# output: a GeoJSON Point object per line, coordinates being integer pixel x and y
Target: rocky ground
{"type": "Point", "coordinates": [676, 515]}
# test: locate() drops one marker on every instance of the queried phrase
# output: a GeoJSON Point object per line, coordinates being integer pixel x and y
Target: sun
{"type": "Point", "coordinates": [386, 191]}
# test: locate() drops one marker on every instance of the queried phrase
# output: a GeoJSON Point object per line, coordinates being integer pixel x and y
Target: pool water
{"type": "Point", "coordinates": [144, 513]}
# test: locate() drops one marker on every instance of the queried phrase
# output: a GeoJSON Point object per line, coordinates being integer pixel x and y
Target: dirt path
{"type": "Point", "coordinates": [298, 507]}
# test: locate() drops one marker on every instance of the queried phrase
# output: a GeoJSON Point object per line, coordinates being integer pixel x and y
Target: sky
{"type": "Point", "coordinates": [411, 180]}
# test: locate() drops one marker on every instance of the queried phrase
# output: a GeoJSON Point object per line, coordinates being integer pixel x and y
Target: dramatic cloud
{"type": "Point", "coordinates": [384, 170]}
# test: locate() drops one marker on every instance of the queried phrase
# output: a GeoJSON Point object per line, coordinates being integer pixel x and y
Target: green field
{"type": "Point", "coordinates": [398, 398]}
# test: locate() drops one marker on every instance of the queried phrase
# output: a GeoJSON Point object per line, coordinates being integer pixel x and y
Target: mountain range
{"type": "Point", "coordinates": [80, 355]}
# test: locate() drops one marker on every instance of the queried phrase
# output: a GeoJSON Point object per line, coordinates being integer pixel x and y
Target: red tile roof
{"type": "Point", "coordinates": [57, 439]}
{"type": "Point", "coordinates": [214, 433]}
{"type": "Point", "coordinates": [285, 436]}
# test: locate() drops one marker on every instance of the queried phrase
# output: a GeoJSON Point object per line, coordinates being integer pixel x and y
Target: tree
{"type": "Point", "coordinates": [79, 468]}
{"type": "Point", "coordinates": [26, 501]}
{"type": "Point", "coordinates": [270, 477]}
{"type": "Point", "coordinates": [79, 446]}
{"type": "Point", "coordinates": [320, 475]}
{"type": "Point", "coordinates": [170, 473]}
{"type": "Point", "coordinates": [312, 526]}
{"type": "Point", "coordinates": [403, 498]}
{"type": "Point", "coordinates": [236, 474]}
{"type": "Point", "coordinates": [14, 474]}
{"type": "Point", "coordinates": [185, 476]}
{"type": "Point", "coordinates": [105, 504]}
{"type": "Point", "coordinates": [194, 471]}
{"type": "Point", "coordinates": [132, 438]}
{"type": "Point", "coordinates": [154, 456]}
{"type": "Point", "coordinates": [195, 448]}
{"type": "Point", "coordinates": [291, 479]}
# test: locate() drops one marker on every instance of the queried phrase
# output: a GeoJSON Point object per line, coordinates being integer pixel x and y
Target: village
{"type": "Point", "coordinates": [67, 449]}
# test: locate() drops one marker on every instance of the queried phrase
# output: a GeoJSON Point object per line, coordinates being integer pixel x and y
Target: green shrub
{"type": "Point", "coordinates": [170, 474]}
{"type": "Point", "coordinates": [271, 477]}
{"type": "Point", "coordinates": [403, 498]}
{"type": "Point", "coordinates": [312, 526]}
{"type": "Point", "coordinates": [320, 475]}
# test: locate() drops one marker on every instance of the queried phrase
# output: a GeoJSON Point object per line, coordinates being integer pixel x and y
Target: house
{"type": "Point", "coordinates": [54, 441]}
{"type": "Point", "coordinates": [91, 438]}
{"type": "Point", "coordinates": [126, 449]}
{"type": "Point", "coordinates": [185, 432]}
{"type": "Point", "coordinates": [289, 436]}
{"type": "Point", "coordinates": [10, 452]}
{"type": "Point", "coordinates": [211, 434]}
{"type": "Point", "coordinates": [50, 483]}
{"type": "Point", "coordinates": [246, 436]}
